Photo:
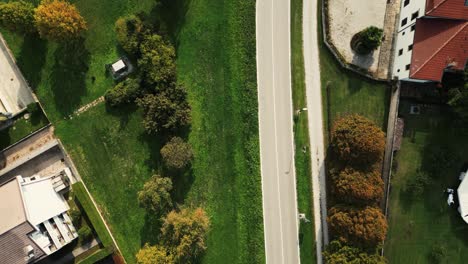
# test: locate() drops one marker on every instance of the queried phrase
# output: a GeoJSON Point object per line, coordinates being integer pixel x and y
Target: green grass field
{"type": "Point", "coordinates": [215, 43]}
{"type": "Point", "coordinates": [349, 93]}
{"type": "Point", "coordinates": [301, 138]}
{"type": "Point", "coordinates": [416, 225]}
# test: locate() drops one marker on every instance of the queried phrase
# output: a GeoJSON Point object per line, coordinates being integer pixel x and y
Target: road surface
{"type": "Point", "coordinates": [276, 136]}
{"type": "Point", "coordinates": [314, 104]}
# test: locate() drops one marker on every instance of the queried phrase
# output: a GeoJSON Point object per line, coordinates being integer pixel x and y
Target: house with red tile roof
{"type": "Point", "coordinates": [432, 39]}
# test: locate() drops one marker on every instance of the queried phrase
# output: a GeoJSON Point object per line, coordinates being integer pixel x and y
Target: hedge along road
{"type": "Point", "coordinates": [276, 136]}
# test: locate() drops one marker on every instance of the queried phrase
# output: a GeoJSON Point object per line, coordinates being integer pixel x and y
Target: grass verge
{"type": "Point", "coordinates": [301, 138]}
{"type": "Point", "coordinates": [416, 225]}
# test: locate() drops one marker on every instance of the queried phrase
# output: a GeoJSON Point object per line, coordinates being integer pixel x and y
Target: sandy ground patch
{"type": "Point", "coordinates": [347, 17]}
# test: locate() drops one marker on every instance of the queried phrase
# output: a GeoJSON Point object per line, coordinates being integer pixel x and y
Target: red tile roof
{"type": "Point", "coordinates": [438, 44]}
{"type": "Point", "coordinates": [454, 9]}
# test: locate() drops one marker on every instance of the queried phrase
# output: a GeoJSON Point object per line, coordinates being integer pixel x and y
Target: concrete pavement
{"type": "Point", "coordinates": [314, 104]}
{"type": "Point", "coordinates": [276, 136]}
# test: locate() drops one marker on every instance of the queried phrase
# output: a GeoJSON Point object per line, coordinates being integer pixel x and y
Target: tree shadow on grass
{"type": "Point", "coordinates": [123, 112]}
{"type": "Point", "coordinates": [172, 14]}
{"type": "Point", "coordinates": [32, 58]}
{"type": "Point", "coordinates": [151, 230]}
{"type": "Point", "coordinates": [68, 77]}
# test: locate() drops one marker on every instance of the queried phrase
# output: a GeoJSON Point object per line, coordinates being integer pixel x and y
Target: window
{"type": "Point", "coordinates": [404, 22]}
{"type": "Point", "coordinates": [400, 52]}
{"type": "Point", "coordinates": [407, 67]}
{"type": "Point", "coordinates": [414, 15]}
{"type": "Point", "coordinates": [413, 27]}
{"type": "Point", "coordinates": [406, 3]}
{"type": "Point", "coordinates": [410, 47]}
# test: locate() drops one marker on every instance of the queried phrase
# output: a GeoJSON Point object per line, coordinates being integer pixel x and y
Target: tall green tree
{"type": "Point", "coordinates": [59, 20]}
{"type": "Point", "coordinates": [177, 153]}
{"type": "Point", "coordinates": [155, 195]}
{"type": "Point", "coordinates": [17, 16]}
{"type": "Point", "coordinates": [129, 32]}
{"type": "Point", "coordinates": [185, 231]}
{"type": "Point", "coordinates": [157, 61]}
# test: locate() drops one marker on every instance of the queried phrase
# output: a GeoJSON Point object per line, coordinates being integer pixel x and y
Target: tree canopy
{"type": "Point", "coordinates": [337, 253]}
{"type": "Point", "coordinates": [357, 140]}
{"type": "Point", "coordinates": [124, 92]}
{"type": "Point", "coordinates": [154, 255]}
{"type": "Point", "coordinates": [17, 16]}
{"type": "Point", "coordinates": [59, 20]}
{"type": "Point", "coordinates": [364, 227]}
{"type": "Point", "coordinates": [352, 186]}
{"type": "Point", "coordinates": [155, 195]}
{"type": "Point", "coordinates": [129, 33]}
{"type": "Point", "coordinates": [166, 110]}
{"type": "Point", "coordinates": [157, 61]}
{"type": "Point", "coordinates": [177, 154]}
{"type": "Point", "coordinates": [185, 231]}
{"type": "Point", "coordinates": [367, 40]}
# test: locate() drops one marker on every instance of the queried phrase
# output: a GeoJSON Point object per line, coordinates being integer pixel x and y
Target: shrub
{"type": "Point", "coordinates": [438, 254]}
{"type": "Point", "coordinates": [416, 185]}
{"type": "Point", "coordinates": [17, 16]}
{"type": "Point", "coordinates": [75, 216]}
{"type": "Point", "coordinates": [357, 140]}
{"type": "Point", "coordinates": [176, 153]}
{"type": "Point", "coordinates": [337, 253]}
{"type": "Point", "coordinates": [124, 92]}
{"type": "Point", "coordinates": [85, 233]}
{"type": "Point", "coordinates": [351, 186]}
{"type": "Point", "coordinates": [33, 107]}
{"type": "Point", "coordinates": [129, 32]}
{"type": "Point", "coordinates": [59, 20]}
{"type": "Point", "coordinates": [364, 227]}
{"type": "Point", "coordinates": [367, 40]}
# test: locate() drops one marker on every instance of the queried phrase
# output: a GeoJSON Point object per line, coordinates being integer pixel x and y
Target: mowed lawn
{"type": "Point", "coordinates": [215, 43]}
{"type": "Point", "coordinates": [301, 138]}
{"type": "Point", "coordinates": [417, 225]}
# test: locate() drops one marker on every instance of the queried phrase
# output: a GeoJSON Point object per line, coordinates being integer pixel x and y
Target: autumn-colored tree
{"type": "Point", "coordinates": [155, 195]}
{"type": "Point", "coordinates": [177, 153]}
{"type": "Point", "coordinates": [154, 255]}
{"type": "Point", "coordinates": [185, 231]}
{"type": "Point", "coordinates": [129, 32]}
{"type": "Point", "coordinates": [357, 140]}
{"type": "Point", "coordinates": [157, 61]}
{"type": "Point", "coordinates": [337, 253]}
{"type": "Point", "coordinates": [17, 16]}
{"type": "Point", "coordinates": [166, 110]}
{"type": "Point", "coordinates": [59, 20]}
{"type": "Point", "coordinates": [357, 187]}
{"type": "Point", "coordinates": [365, 227]}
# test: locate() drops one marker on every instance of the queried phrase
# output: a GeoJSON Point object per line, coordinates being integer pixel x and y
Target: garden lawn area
{"type": "Point", "coordinates": [215, 43]}
{"type": "Point", "coordinates": [416, 225]}
{"type": "Point", "coordinates": [349, 93]}
{"type": "Point", "coordinates": [301, 138]}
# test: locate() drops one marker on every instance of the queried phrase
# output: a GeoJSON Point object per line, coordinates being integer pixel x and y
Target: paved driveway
{"type": "Point", "coordinates": [14, 91]}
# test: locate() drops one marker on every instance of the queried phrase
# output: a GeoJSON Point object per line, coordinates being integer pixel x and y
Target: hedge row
{"type": "Point", "coordinates": [97, 256]}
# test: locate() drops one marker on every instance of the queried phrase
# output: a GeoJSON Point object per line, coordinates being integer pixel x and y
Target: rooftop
{"type": "Point", "coordinates": [453, 9]}
{"type": "Point", "coordinates": [11, 206]}
{"type": "Point", "coordinates": [438, 44]}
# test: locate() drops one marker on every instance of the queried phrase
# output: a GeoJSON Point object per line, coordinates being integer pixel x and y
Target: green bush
{"type": "Point", "coordinates": [438, 254]}
{"type": "Point", "coordinates": [129, 33]}
{"type": "Point", "coordinates": [124, 92]}
{"type": "Point", "coordinates": [367, 40]}
{"type": "Point", "coordinates": [75, 216]}
{"type": "Point", "coordinates": [416, 185]}
{"type": "Point", "coordinates": [85, 233]}
{"type": "Point", "coordinates": [17, 16]}
{"type": "Point", "coordinates": [33, 107]}
{"type": "Point", "coordinates": [97, 256]}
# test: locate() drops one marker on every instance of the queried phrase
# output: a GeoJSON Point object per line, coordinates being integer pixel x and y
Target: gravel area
{"type": "Point", "coordinates": [348, 17]}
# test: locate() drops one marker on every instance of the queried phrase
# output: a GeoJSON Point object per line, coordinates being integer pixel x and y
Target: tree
{"type": "Point", "coordinates": [337, 253]}
{"type": "Point", "coordinates": [154, 255]}
{"type": "Point", "coordinates": [357, 140]}
{"type": "Point", "coordinates": [176, 153]}
{"type": "Point", "coordinates": [185, 231]}
{"type": "Point", "coordinates": [129, 33]}
{"type": "Point", "coordinates": [157, 61]}
{"type": "Point", "coordinates": [124, 92]}
{"type": "Point", "coordinates": [167, 110]}
{"type": "Point", "coordinates": [364, 227]}
{"type": "Point", "coordinates": [357, 187]}
{"type": "Point", "coordinates": [367, 40]}
{"type": "Point", "coordinates": [85, 233]}
{"type": "Point", "coordinates": [17, 16]}
{"type": "Point", "coordinates": [59, 20]}
{"type": "Point", "coordinates": [155, 195]}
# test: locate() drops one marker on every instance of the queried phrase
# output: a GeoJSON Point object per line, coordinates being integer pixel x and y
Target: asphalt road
{"type": "Point", "coordinates": [276, 136]}
{"type": "Point", "coordinates": [314, 104]}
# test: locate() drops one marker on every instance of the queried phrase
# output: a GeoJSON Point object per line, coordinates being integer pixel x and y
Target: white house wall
{"type": "Point", "coordinates": [405, 36]}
